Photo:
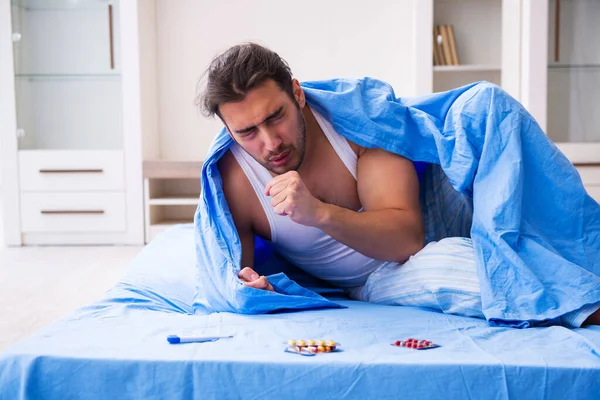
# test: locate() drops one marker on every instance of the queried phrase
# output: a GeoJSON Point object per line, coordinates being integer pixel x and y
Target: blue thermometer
{"type": "Point", "coordinates": [176, 339]}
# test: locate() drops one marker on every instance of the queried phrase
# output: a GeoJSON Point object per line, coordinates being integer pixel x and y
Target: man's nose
{"type": "Point", "coordinates": [272, 139]}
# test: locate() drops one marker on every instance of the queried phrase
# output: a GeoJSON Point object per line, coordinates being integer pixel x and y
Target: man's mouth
{"type": "Point", "coordinates": [280, 159]}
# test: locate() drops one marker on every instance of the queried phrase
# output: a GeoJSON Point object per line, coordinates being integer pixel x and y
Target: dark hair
{"type": "Point", "coordinates": [238, 70]}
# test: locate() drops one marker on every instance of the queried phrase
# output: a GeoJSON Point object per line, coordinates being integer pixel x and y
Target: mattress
{"type": "Point", "coordinates": [117, 348]}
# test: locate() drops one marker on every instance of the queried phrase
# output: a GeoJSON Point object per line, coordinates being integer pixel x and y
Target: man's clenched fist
{"type": "Point", "coordinates": [291, 197]}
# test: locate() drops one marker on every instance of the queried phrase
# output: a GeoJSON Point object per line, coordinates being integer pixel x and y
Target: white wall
{"type": "Point", "coordinates": [319, 39]}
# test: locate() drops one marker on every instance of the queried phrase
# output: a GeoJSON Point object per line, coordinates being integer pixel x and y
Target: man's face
{"type": "Point", "coordinates": [270, 126]}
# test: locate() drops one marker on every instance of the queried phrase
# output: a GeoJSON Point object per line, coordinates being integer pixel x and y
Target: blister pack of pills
{"type": "Point", "coordinates": [416, 344]}
{"type": "Point", "coordinates": [311, 347]}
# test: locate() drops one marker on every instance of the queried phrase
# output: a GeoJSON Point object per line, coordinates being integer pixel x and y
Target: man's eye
{"type": "Point", "coordinates": [247, 133]}
{"type": "Point", "coordinates": [275, 119]}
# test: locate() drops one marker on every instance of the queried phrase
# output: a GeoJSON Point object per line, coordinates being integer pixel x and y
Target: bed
{"type": "Point", "coordinates": [117, 348]}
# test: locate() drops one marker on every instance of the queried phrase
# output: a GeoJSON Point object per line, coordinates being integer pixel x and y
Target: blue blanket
{"type": "Point", "coordinates": [536, 232]}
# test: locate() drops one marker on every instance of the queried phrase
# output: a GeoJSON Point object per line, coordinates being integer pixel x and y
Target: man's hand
{"type": "Point", "coordinates": [251, 279]}
{"type": "Point", "coordinates": [291, 197]}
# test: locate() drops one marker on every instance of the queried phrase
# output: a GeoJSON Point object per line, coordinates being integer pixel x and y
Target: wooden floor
{"type": "Point", "coordinates": [41, 284]}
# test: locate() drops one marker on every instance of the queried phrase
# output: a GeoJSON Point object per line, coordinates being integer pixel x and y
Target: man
{"type": "Point", "coordinates": [360, 204]}
{"type": "Point", "coordinates": [334, 208]}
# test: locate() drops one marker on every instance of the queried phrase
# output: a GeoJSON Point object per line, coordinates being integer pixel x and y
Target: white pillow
{"type": "Point", "coordinates": [442, 276]}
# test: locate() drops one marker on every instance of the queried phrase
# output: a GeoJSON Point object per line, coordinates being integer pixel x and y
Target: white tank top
{"type": "Point", "coordinates": [307, 247]}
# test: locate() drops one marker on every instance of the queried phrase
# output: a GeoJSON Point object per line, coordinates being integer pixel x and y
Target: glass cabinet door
{"type": "Point", "coordinates": [67, 75]}
{"type": "Point", "coordinates": [574, 75]}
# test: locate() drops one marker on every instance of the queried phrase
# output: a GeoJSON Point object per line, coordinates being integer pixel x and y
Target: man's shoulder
{"type": "Point", "coordinates": [227, 164]}
{"type": "Point", "coordinates": [238, 190]}
{"type": "Point", "coordinates": [231, 172]}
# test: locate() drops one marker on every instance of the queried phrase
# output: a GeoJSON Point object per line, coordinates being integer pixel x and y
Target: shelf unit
{"type": "Point", "coordinates": [171, 192]}
{"type": "Point", "coordinates": [487, 38]}
{"type": "Point", "coordinates": [479, 33]}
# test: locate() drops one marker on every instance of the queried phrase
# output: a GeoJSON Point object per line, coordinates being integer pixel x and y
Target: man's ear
{"type": "Point", "coordinates": [298, 93]}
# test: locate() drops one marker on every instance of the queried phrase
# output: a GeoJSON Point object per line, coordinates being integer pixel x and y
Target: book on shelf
{"type": "Point", "coordinates": [438, 54]}
{"type": "Point", "coordinates": [436, 59]}
{"type": "Point", "coordinates": [444, 46]}
{"type": "Point", "coordinates": [452, 41]}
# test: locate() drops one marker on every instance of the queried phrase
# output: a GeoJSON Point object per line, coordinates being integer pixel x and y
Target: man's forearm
{"type": "Point", "coordinates": [388, 235]}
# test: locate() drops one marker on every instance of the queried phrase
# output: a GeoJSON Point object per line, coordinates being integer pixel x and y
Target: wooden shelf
{"type": "Point", "coordinates": [171, 194]}
{"type": "Point", "coordinates": [573, 66]}
{"type": "Point", "coordinates": [169, 222]}
{"type": "Point", "coordinates": [163, 169]}
{"type": "Point", "coordinates": [465, 68]}
{"type": "Point", "coordinates": [173, 200]}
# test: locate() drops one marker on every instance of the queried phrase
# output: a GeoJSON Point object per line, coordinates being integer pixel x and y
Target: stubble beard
{"type": "Point", "coordinates": [296, 151]}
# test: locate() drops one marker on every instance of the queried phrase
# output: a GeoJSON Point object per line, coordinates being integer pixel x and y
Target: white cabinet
{"type": "Point", "coordinates": [70, 127]}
